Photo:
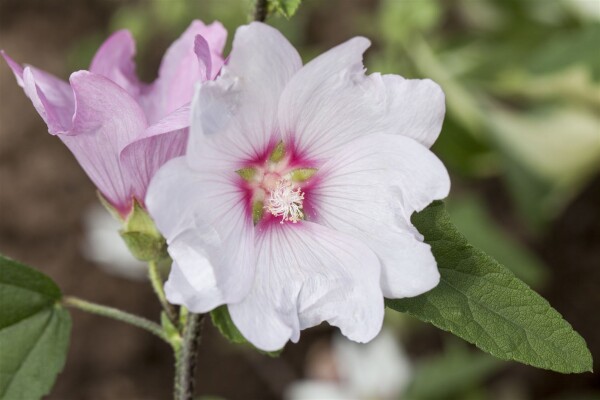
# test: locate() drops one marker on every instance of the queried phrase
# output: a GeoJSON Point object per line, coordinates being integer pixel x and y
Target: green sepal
{"type": "Point", "coordinates": [258, 210]}
{"type": "Point", "coordinates": [141, 236]}
{"type": "Point", "coordinates": [34, 332]}
{"type": "Point", "coordinates": [246, 174]}
{"type": "Point", "coordinates": [278, 153]}
{"type": "Point", "coordinates": [302, 174]}
{"type": "Point", "coordinates": [112, 211]}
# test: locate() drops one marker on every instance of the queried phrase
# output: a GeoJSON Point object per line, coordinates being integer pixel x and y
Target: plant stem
{"type": "Point", "coordinates": [114, 313]}
{"type": "Point", "coordinates": [260, 10]}
{"type": "Point", "coordinates": [185, 358]}
{"type": "Point", "coordinates": [157, 285]}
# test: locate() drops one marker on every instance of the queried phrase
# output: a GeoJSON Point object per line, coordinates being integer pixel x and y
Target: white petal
{"type": "Point", "coordinates": [331, 101]}
{"type": "Point", "coordinates": [370, 189]}
{"type": "Point", "coordinates": [317, 390]}
{"type": "Point", "coordinates": [238, 110]}
{"type": "Point", "coordinates": [378, 370]}
{"type": "Point", "coordinates": [103, 245]}
{"type": "Point", "coordinates": [210, 235]}
{"type": "Point", "coordinates": [306, 274]}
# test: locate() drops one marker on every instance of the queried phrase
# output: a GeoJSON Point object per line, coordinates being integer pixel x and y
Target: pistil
{"type": "Point", "coordinates": [285, 201]}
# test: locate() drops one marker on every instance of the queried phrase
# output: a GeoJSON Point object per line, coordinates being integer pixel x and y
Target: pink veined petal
{"type": "Point", "coordinates": [209, 232]}
{"type": "Point", "coordinates": [180, 70]}
{"type": "Point", "coordinates": [330, 101]}
{"type": "Point", "coordinates": [141, 158]}
{"type": "Point", "coordinates": [306, 274]}
{"type": "Point", "coordinates": [51, 96]}
{"type": "Point", "coordinates": [369, 190]}
{"type": "Point", "coordinates": [202, 50]}
{"type": "Point", "coordinates": [237, 112]}
{"type": "Point", "coordinates": [105, 120]}
{"type": "Point", "coordinates": [215, 36]}
{"type": "Point", "coordinates": [94, 117]}
{"type": "Point", "coordinates": [115, 60]}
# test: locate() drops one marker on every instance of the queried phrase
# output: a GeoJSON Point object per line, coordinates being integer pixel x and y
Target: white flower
{"type": "Point", "coordinates": [293, 202]}
{"type": "Point", "coordinates": [379, 370]}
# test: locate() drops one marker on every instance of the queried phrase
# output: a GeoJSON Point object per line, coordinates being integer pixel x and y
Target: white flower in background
{"type": "Point", "coordinates": [377, 371]}
{"type": "Point", "coordinates": [586, 9]}
{"type": "Point", "coordinates": [293, 202]}
{"type": "Point", "coordinates": [104, 246]}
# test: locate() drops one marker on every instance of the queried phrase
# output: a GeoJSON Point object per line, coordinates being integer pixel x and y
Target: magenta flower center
{"type": "Point", "coordinates": [275, 186]}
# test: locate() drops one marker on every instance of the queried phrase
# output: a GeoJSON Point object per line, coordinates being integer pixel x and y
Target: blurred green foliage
{"type": "Point", "coordinates": [457, 373]}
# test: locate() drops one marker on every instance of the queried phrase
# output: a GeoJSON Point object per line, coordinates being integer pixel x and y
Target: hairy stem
{"type": "Point", "coordinates": [157, 285]}
{"type": "Point", "coordinates": [185, 358]}
{"type": "Point", "coordinates": [260, 10]}
{"type": "Point", "coordinates": [117, 314]}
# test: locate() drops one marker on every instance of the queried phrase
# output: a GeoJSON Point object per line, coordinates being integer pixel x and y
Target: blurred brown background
{"type": "Point", "coordinates": [44, 195]}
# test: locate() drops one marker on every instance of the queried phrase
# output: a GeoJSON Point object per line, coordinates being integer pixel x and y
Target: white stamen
{"type": "Point", "coordinates": [286, 201]}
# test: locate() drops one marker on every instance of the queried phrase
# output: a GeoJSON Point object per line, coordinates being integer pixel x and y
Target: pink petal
{"type": "Point", "coordinates": [105, 120]}
{"type": "Point", "coordinates": [209, 232]}
{"type": "Point", "coordinates": [307, 274]}
{"type": "Point", "coordinates": [141, 158]}
{"type": "Point", "coordinates": [94, 117]}
{"type": "Point", "coordinates": [369, 189]}
{"type": "Point", "coordinates": [51, 96]}
{"type": "Point", "coordinates": [115, 60]}
{"type": "Point", "coordinates": [237, 113]}
{"type": "Point", "coordinates": [180, 70]}
{"type": "Point", "coordinates": [330, 101]}
{"type": "Point", "coordinates": [202, 50]}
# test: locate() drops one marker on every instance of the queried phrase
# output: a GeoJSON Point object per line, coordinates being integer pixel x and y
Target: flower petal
{"type": "Point", "coordinates": [180, 70]}
{"type": "Point", "coordinates": [159, 143]}
{"type": "Point", "coordinates": [331, 101]}
{"type": "Point", "coordinates": [306, 274]}
{"type": "Point", "coordinates": [51, 96]}
{"type": "Point", "coordinates": [209, 233]}
{"type": "Point", "coordinates": [115, 60]}
{"type": "Point", "coordinates": [369, 189]}
{"type": "Point", "coordinates": [106, 119]}
{"type": "Point", "coordinates": [240, 107]}
{"type": "Point", "coordinates": [202, 50]}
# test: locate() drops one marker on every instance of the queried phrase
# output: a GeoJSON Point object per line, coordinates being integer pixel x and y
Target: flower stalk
{"type": "Point", "coordinates": [260, 10]}
{"type": "Point", "coordinates": [116, 314]}
{"type": "Point", "coordinates": [185, 358]}
{"type": "Point", "coordinates": [157, 285]}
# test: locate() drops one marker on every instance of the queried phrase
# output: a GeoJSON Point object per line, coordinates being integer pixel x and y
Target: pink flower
{"type": "Point", "coordinates": [292, 204]}
{"type": "Point", "coordinates": [120, 129]}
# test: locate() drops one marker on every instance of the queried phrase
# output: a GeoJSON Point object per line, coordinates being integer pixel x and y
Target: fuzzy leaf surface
{"type": "Point", "coordinates": [482, 302]}
{"type": "Point", "coordinates": [34, 332]}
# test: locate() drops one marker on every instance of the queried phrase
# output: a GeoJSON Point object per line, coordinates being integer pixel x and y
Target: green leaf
{"type": "Point", "coordinates": [471, 218]}
{"type": "Point", "coordinates": [34, 332]}
{"type": "Point", "coordinates": [287, 8]}
{"type": "Point", "coordinates": [482, 302]}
